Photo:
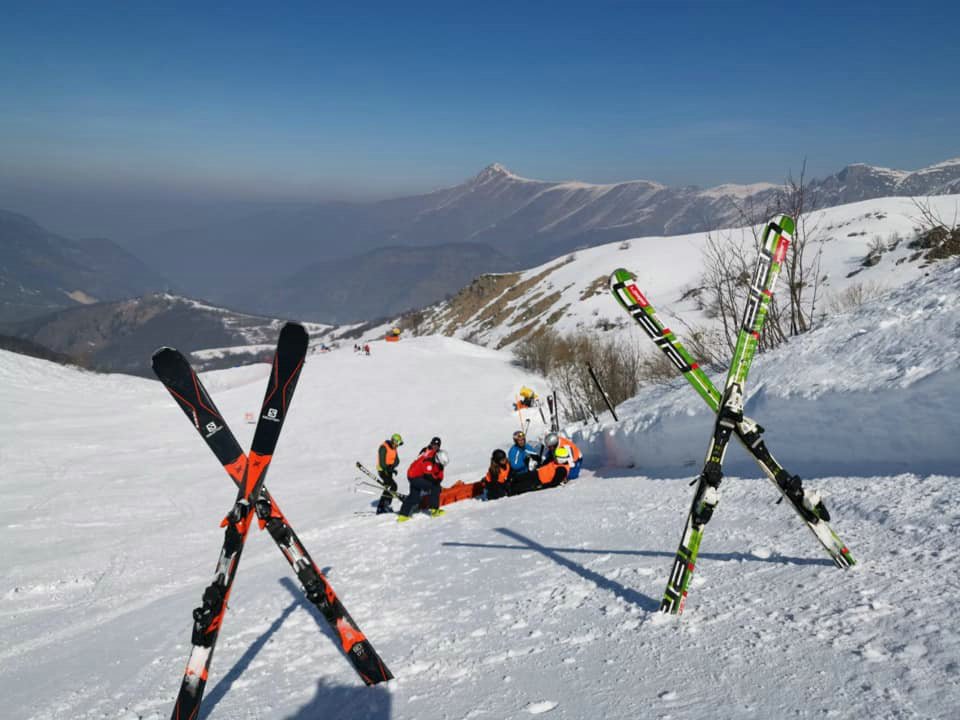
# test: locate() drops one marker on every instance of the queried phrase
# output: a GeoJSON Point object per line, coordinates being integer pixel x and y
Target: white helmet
{"type": "Point", "coordinates": [441, 458]}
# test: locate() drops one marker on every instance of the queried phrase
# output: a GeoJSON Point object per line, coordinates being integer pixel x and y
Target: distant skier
{"type": "Point", "coordinates": [496, 481]}
{"type": "Point", "coordinates": [526, 398]}
{"type": "Point", "coordinates": [550, 474]}
{"type": "Point", "coordinates": [366, 349]}
{"type": "Point", "coordinates": [521, 453]}
{"type": "Point", "coordinates": [425, 476]}
{"type": "Point", "coordinates": [387, 461]}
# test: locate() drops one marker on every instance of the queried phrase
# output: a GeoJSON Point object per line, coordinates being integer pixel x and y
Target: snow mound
{"type": "Point", "coordinates": [876, 390]}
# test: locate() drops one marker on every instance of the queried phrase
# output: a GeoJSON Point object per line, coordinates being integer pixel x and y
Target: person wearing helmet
{"type": "Point", "coordinates": [521, 453]}
{"type": "Point", "coordinates": [434, 445]}
{"type": "Point", "coordinates": [549, 444]}
{"type": "Point", "coordinates": [425, 475]}
{"type": "Point", "coordinates": [495, 482]}
{"type": "Point", "coordinates": [576, 457]}
{"type": "Point", "coordinates": [387, 461]}
{"type": "Point", "coordinates": [549, 474]}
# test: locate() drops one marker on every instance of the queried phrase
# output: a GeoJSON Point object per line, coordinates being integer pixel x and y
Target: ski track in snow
{"type": "Point", "coordinates": [540, 604]}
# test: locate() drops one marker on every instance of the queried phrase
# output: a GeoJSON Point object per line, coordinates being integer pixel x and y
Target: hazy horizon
{"type": "Point", "coordinates": [125, 122]}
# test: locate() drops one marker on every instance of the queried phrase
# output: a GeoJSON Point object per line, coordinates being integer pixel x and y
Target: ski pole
{"type": "Point", "coordinates": [603, 393]}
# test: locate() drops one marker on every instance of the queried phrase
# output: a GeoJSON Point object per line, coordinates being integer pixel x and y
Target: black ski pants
{"type": "Point", "coordinates": [529, 481]}
{"type": "Point", "coordinates": [496, 490]}
{"type": "Point", "coordinates": [421, 485]}
{"type": "Point", "coordinates": [524, 482]}
{"type": "Point", "coordinates": [386, 479]}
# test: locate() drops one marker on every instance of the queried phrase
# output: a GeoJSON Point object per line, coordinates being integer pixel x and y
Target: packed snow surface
{"type": "Point", "coordinates": [540, 604]}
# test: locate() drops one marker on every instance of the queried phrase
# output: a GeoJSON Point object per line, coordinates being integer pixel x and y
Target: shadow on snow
{"type": "Point", "coordinates": [330, 701]}
{"type": "Point", "coordinates": [642, 601]}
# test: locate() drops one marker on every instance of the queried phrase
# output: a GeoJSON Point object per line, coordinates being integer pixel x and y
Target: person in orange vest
{"type": "Point", "coordinates": [576, 457]}
{"type": "Point", "coordinates": [554, 440]}
{"type": "Point", "coordinates": [551, 473]}
{"type": "Point", "coordinates": [425, 476]}
{"type": "Point", "coordinates": [495, 482]}
{"type": "Point", "coordinates": [387, 461]}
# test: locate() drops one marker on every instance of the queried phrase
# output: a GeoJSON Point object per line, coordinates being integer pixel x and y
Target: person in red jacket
{"type": "Point", "coordinates": [425, 475]}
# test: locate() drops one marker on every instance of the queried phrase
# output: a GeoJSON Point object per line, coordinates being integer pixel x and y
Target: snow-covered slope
{"type": "Point", "coordinates": [544, 603]}
{"type": "Point", "coordinates": [876, 389]}
{"type": "Point", "coordinates": [570, 293]}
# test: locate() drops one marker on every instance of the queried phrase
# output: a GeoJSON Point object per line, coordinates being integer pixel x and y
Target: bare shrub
{"type": "Point", "coordinates": [729, 262]}
{"type": "Point", "coordinates": [936, 234]}
{"type": "Point", "coordinates": [564, 360]}
{"type": "Point", "coordinates": [875, 250]}
{"type": "Point", "coordinates": [537, 352]}
{"type": "Point", "coordinates": [854, 296]}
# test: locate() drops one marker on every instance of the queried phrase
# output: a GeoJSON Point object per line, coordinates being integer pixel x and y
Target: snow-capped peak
{"type": "Point", "coordinates": [493, 171]}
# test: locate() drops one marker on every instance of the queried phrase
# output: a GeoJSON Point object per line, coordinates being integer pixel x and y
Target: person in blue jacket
{"type": "Point", "coordinates": [521, 453]}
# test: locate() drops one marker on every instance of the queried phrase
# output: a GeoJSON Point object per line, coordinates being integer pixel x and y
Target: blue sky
{"type": "Point", "coordinates": [275, 100]}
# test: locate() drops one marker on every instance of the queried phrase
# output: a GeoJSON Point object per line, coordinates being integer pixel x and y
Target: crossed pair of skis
{"type": "Point", "coordinates": [249, 472]}
{"type": "Point", "coordinates": [728, 407]}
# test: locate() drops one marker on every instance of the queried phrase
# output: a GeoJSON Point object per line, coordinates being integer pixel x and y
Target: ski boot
{"type": "Point", "coordinates": [437, 512]}
{"type": "Point", "coordinates": [402, 518]}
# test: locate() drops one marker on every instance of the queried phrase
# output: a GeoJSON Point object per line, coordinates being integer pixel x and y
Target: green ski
{"type": "Point", "coordinates": [773, 248]}
{"type": "Point", "coordinates": [806, 504]}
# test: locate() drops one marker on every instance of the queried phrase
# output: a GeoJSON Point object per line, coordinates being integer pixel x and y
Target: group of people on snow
{"type": "Point", "coordinates": [523, 469]}
{"type": "Point", "coordinates": [425, 476]}
{"type": "Point", "coordinates": [362, 349]}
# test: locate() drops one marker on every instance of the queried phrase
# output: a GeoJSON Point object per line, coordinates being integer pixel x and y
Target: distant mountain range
{"type": "Point", "coordinates": [41, 271]}
{"type": "Point", "coordinates": [570, 295]}
{"type": "Point", "coordinates": [263, 262]}
{"type": "Point", "coordinates": [342, 262]}
{"type": "Point", "coordinates": [122, 336]}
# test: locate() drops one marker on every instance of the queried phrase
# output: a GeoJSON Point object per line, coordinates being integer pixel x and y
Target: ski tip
{"type": "Point", "coordinates": [164, 350]}
{"type": "Point", "coordinates": [295, 335]}
{"type": "Point", "coordinates": [165, 359]}
{"type": "Point", "coordinates": [783, 224]}
{"type": "Point", "coordinates": [621, 275]}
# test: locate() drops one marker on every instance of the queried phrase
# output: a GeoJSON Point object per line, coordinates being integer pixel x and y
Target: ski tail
{"type": "Point", "coordinates": [358, 650]}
